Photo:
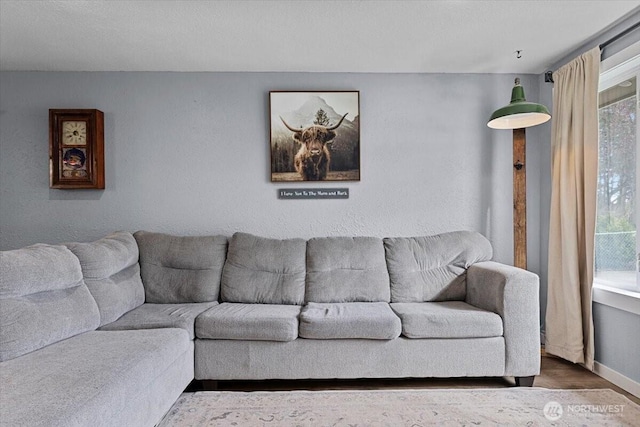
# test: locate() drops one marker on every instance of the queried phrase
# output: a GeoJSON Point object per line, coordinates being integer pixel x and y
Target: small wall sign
{"type": "Point", "coordinates": [313, 193]}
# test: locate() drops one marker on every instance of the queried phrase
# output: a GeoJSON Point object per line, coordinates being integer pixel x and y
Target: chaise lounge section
{"type": "Point", "coordinates": [56, 369]}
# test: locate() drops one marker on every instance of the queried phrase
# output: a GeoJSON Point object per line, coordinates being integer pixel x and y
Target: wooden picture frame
{"type": "Point", "coordinates": [314, 135]}
{"type": "Point", "coordinates": [76, 149]}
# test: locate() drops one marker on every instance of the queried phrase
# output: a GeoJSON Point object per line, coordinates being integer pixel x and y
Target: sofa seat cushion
{"type": "Point", "coordinates": [237, 321]}
{"type": "Point", "coordinates": [43, 299]}
{"type": "Point", "coordinates": [91, 379]}
{"type": "Point", "coordinates": [346, 269]}
{"type": "Point", "coordinates": [112, 273]}
{"type": "Point", "coordinates": [153, 316]}
{"type": "Point", "coordinates": [181, 269]}
{"type": "Point", "coordinates": [259, 270]}
{"type": "Point", "coordinates": [449, 319]}
{"type": "Point", "coordinates": [366, 320]}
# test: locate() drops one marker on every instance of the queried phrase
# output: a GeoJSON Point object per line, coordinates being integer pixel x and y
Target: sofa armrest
{"type": "Point", "coordinates": [513, 294]}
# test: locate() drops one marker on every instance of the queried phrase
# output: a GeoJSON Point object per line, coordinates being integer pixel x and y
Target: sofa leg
{"type": "Point", "coordinates": [525, 381]}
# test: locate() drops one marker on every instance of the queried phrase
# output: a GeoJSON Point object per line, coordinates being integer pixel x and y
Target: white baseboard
{"type": "Point", "coordinates": [617, 378]}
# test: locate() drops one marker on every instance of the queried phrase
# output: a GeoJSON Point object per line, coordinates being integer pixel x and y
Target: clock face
{"type": "Point", "coordinates": [74, 133]}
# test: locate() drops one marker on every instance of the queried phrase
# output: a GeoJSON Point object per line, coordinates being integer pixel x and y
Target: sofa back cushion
{"type": "Point", "coordinates": [264, 271]}
{"type": "Point", "coordinates": [112, 274]}
{"type": "Point", "coordinates": [433, 268]}
{"type": "Point", "coordinates": [43, 299]}
{"type": "Point", "coordinates": [346, 269]}
{"type": "Point", "coordinates": [181, 269]}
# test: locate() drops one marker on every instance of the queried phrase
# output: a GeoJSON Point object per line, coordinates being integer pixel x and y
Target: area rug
{"type": "Point", "coordinates": [414, 408]}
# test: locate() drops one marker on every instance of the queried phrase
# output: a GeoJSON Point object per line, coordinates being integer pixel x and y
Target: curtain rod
{"type": "Point", "coordinates": [619, 35]}
{"type": "Point", "coordinates": [548, 76]}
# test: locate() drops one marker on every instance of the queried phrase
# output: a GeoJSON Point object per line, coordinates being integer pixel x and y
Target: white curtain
{"type": "Point", "coordinates": [574, 166]}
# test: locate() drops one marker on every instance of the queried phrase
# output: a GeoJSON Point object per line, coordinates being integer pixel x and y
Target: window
{"type": "Point", "coordinates": [616, 240]}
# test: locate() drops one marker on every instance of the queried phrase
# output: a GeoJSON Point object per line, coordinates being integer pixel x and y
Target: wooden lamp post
{"type": "Point", "coordinates": [518, 115]}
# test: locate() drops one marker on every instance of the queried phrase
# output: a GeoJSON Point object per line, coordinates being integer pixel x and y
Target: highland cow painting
{"type": "Point", "coordinates": [315, 136]}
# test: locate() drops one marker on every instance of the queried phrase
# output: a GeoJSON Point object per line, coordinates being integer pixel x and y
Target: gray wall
{"type": "Point", "coordinates": [187, 153]}
{"type": "Point", "coordinates": [545, 97]}
{"type": "Point", "coordinates": [617, 344]}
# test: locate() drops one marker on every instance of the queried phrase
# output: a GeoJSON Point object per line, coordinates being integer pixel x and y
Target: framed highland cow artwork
{"type": "Point", "coordinates": [315, 135]}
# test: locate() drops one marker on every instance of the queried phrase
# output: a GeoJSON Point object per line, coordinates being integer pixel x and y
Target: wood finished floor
{"type": "Point", "coordinates": [555, 374]}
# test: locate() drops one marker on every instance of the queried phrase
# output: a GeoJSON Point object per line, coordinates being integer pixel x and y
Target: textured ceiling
{"type": "Point", "coordinates": [316, 36]}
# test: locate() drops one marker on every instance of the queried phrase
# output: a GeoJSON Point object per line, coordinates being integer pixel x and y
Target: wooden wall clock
{"type": "Point", "coordinates": [76, 149]}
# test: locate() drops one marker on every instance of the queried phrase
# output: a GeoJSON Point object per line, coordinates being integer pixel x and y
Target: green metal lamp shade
{"type": "Point", "coordinates": [519, 113]}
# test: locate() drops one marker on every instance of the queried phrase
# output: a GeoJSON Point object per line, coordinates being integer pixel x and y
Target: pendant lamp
{"type": "Point", "coordinates": [519, 113]}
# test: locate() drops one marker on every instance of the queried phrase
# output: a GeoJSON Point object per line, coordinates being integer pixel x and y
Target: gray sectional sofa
{"type": "Point", "coordinates": [111, 332]}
